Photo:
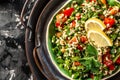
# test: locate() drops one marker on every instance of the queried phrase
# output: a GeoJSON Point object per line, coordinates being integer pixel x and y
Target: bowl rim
{"type": "Point", "coordinates": [47, 42]}
{"type": "Point", "coordinates": [29, 31]}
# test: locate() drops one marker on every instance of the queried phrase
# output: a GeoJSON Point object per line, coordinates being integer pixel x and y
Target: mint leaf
{"type": "Point", "coordinates": [90, 64]}
{"type": "Point", "coordinates": [87, 63]}
{"type": "Point", "coordinates": [95, 66]}
{"type": "Point", "coordinates": [91, 51]}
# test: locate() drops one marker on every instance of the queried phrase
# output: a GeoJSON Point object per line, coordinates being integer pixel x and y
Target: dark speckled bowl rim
{"type": "Point", "coordinates": [49, 68]}
{"type": "Point", "coordinates": [30, 33]}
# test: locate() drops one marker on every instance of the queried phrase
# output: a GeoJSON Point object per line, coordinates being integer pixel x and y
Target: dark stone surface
{"type": "Point", "coordinates": [13, 62]}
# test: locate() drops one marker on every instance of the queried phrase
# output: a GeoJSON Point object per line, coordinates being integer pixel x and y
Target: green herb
{"type": "Point", "coordinates": [114, 3]}
{"type": "Point", "coordinates": [79, 2]}
{"type": "Point", "coordinates": [91, 51]}
{"type": "Point", "coordinates": [59, 60]}
{"type": "Point", "coordinates": [118, 51]}
{"type": "Point", "coordinates": [53, 39]}
{"type": "Point", "coordinates": [91, 64]}
{"type": "Point", "coordinates": [76, 75]}
{"type": "Point", "coordinates": [68, 31]}
{"type": "Point", "coordinates": [89, 79]}
{"type": "Point", "coordinates": [75, 58]}
{"type": "Point", "coordinates": [76, 51]}
{"type": "Point", "coordinates": [113, 36]}
{"type": "Point", "coordinates": [80, 67]}
{"type": "Point", "coordinates": [113, 51]}
{"type": "Point", "coordinates": [114, 60]}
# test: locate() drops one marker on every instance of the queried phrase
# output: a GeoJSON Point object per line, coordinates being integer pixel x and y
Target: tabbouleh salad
{"type": "Point", "coordinates": [86, 43]}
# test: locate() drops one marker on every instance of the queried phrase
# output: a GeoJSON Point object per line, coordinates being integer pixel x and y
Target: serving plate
{"type": "Point", "coordinates": [42, 44]}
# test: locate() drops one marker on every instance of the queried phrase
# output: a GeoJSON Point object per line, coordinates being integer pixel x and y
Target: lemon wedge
{"type": "Point", "coordinates": [99, 38]}
{"type": "Point", "coordinates": [94, 23]}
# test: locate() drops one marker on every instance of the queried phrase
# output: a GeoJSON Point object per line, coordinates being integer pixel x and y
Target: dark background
{"type": "Point", "coordinates": [13, 63]}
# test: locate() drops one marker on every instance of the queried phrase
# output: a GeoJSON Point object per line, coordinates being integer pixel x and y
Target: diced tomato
{"type": "Point", "coordinates": [110, 8]}
{"type": "Point", "coordinates": [66, 38]}
{"type": "Point", "coordinates": [92, 76]}
{"type": "Point", "coordinates": [107, 55]}
{"type": "Point", "coordinates": [57, 24]}
{"type": "Point", "coordinates": [106, 58]}
{"type": "Point", "coordinates": [101, 16]}
{"type": "Point", "coordinates": [68, 12]}
{"type": "Point", "coordinates": [62, 25]}
{"type": "Point", "coordinates": [83, 39]}
{"type": "Point", "coordinates": [114, 10]}
{"type": "Point", "coordinates": [64, 19]}
{"type": "Point", "coordinates": [80, 47]}
{"type": "Point", "coordinates": [111, 67]}
{"type": "Point", "coordinates": [109, 22]}
{"type": "Point", "coordinates": [103, 1]}
{"type": "Point", "coordinates": [107, 62]}
{"type": "Point", "coordinates": [74, 39]}
{"type": "Point", "coordinates": [73, 24]}
{"type": "Point", "coordinates": [76, 63]}
{"type": "Point", "coordinates": [118, 61]}
{"type": "Point", "coordinates": [78, 16]}
{"type": "Point", "coordinates": [90, 0]}
{"type": "Point", "coordinates": [58, 34]}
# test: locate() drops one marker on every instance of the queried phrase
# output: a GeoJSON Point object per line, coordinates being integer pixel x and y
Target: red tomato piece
{"type": "Point", "coordinates": [68, 12]}
{"type": "Point", "coordinates": [57, 24]}
{"type": "Point", "coordinates": [78, 16]}
{"type": "Point", "coordinates": [118, 61]}
{"type": "Point", "coordinates": [64, 19]}
{"type": "Point", "coordinates": [74, 39]}
{"type": "Point", "coordinates": [107, 62]}
{"type": "Point", "coordinates": [107, 54]}
{"type": "Point", "coordinates": [110, 8]}
{"type": "Point", "coordinates": [90, 0]}
{"type": "Point", "coordinates": [83, 39]}
{"type": "Point", "coordinates": [73, 24]}
{"type": "Point", "coordinates": [76, 63]}
{"type": "Point", "coordinates": [111, 67]}
{"type": "Point", "coordinates": [80, 47]}
{"type": "Point", "coordinates": [92, 76]}
{"type": "Point", "coordinates": [109, 22]}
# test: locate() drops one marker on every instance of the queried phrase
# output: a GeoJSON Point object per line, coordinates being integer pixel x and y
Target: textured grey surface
{"type": "Point", "coordinates": [13, 62]}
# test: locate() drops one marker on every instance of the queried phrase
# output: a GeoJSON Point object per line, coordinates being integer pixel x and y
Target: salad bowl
{"type": "Point", "coordinates": [55, 59]}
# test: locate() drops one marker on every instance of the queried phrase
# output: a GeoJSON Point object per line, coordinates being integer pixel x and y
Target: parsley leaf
{"type": "Point", "coordinates": [91, 51]}
{"type": "Point", "coordinates": [91, 64]}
